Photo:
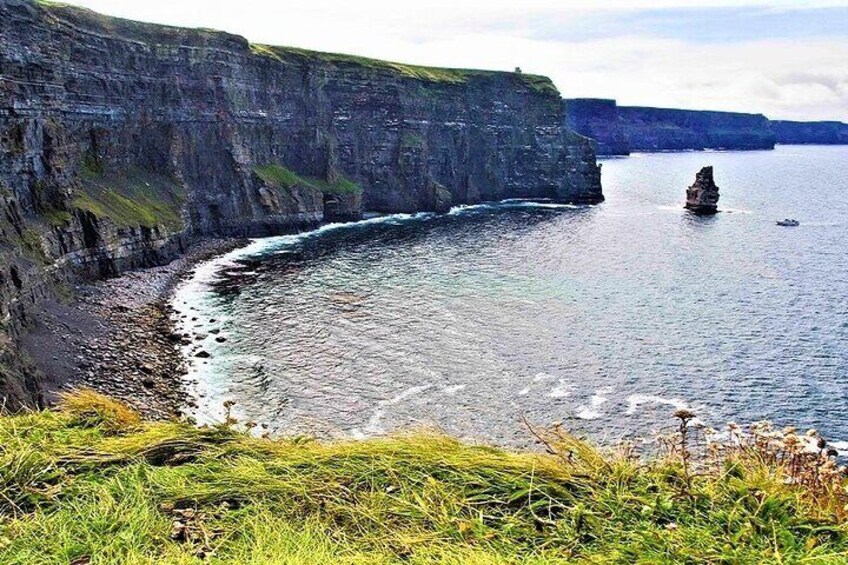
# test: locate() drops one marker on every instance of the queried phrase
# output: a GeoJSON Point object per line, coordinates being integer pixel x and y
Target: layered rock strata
{"type": "Point", "coordinates": [122, 142]}
{"type": "Point", "coordinates": [702, 197]}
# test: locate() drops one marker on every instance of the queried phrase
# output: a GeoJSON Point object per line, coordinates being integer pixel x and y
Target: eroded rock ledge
{"type": "Point", "coordinates": [123, 142]}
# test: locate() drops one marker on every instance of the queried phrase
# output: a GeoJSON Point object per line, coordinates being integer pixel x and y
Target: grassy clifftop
{"type": "Point", "coordinates": [156, 33]}
{"type": "Point", "coordinates": [92, 483]}
{"type": "Point", "coordinates": [428, 74]}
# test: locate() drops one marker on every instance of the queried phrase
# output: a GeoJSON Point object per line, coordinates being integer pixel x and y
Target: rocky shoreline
{"type": "Point", "coordinates": [119, 338]}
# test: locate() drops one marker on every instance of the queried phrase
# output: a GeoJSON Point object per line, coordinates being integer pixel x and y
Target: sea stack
{"type": "Point", "coordinates": [702, 197]}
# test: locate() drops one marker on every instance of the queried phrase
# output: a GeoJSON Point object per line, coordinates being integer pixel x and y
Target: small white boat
{"type": "Point", "coordinates": [789, 223]}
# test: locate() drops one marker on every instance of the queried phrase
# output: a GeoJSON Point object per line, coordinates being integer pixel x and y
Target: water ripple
{"type": "Point", "coordinates": [606, 317]}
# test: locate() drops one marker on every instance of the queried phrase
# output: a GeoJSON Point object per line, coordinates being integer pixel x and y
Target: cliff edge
{"type": "Point", "coordinates": [123, 141]}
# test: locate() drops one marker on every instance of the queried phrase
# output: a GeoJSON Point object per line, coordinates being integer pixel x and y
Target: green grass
{"type": "Point", "coordinates": [427, 74]}
{"type": "Point", "coordinates": [33, 247]}
{"type": "Point", "coordinates": [134, 198]}
{"type": "Point", "coordinates": [57, 218]}
{"type": "Point", "coordinates": [95, 484]}
{"type": "Point", "coordinates": [281, 177]}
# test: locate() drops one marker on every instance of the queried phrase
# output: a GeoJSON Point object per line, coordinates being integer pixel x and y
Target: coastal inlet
{"type": "Point", "coordinates": [606, 318]}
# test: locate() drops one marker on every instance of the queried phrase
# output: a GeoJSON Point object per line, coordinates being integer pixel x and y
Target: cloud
{"type": "Point", "coordinates": [698, 25]}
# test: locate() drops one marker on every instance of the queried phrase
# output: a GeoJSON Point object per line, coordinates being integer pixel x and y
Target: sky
{"type": "Point", "coordinates": [787, 59]}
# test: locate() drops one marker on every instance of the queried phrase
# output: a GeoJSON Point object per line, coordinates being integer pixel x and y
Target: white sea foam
{"type": "Point", "coordinates": [539, 377]}
{"type": "Point", "coordinates": [373, 427]}
{"type": "Point", "coordinates": [512, 203]}
{"type": "Point", "coordinates": [562, 389]}
{"type": "Point", "coordinates": [592, 410]}
{"type": "Point", "coordinates": [636, 400]}
{"type": "Point", "coordinates": [840, 446]}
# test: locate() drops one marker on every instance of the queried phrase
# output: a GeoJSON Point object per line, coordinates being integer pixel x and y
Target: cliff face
{"type": "Point", "coordinates": [598, 119]}
{"type": "Point", "coordinates": [810, 133]}
{"type": "Point", "coordinates": [121, 141]}
{"type": "Point", "coordinates": [620, 130]}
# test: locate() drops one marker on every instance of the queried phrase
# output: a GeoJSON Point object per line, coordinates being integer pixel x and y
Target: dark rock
{"type": "Point", "coordinates": [702, 197]}
{"type": "Point", "coordinates": [620, 130]}
{"type": "Point", "coordinates": [203, 354]}
{"type": "Point", "coordinates": [816, 133]}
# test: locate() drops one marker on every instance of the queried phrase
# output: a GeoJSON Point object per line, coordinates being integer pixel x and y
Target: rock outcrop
{"type": "Point", "coordinates": [702, 197]}
{"type": "Point", "coordinates": [620, 130]}
{"type": "Point", "coordinates": [810, 133]}
{"type": "Point", "coordinates": [120, 142]}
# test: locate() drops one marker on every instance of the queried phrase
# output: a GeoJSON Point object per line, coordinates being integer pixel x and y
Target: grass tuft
{"type": "Point", "coordinates": [90, 409]}
{"type": "Point", "coordinates": [91, 483]}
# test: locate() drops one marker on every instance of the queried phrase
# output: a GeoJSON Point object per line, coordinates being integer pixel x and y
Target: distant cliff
{"type": "Point", "coordinates": [599, 119]}
{"type": "Point", "coordinates": [620, 130]}
{"type": "Point", "coordinates": [122, 141]}
{"type": "Point", "coordinates": [810, 133]}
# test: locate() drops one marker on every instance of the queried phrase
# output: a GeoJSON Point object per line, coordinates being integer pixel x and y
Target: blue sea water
{"type": "Point", "coordinates": [605, 318]}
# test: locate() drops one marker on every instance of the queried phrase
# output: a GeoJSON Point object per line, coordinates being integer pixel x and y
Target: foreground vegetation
{"type": "Point", "coordinates": [93, 483]}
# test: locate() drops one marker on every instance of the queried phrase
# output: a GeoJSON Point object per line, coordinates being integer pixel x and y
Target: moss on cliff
{"type": "Point", "coordinates": [135, 198]}
{"type": "Point", "coordinates": [281, 177]}
{"type": "Point", "coordinates": [33, 247]}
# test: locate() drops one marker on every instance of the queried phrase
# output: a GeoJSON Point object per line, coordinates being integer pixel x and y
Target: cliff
{"type": "Point", "coordinates": [598, 119]}
{"type": "Point", "coordinates": [810, 133]}
{"type": "Point", "coordinates": [122, 141]}
{"type": "Point", "coordinates": [620, 130]}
